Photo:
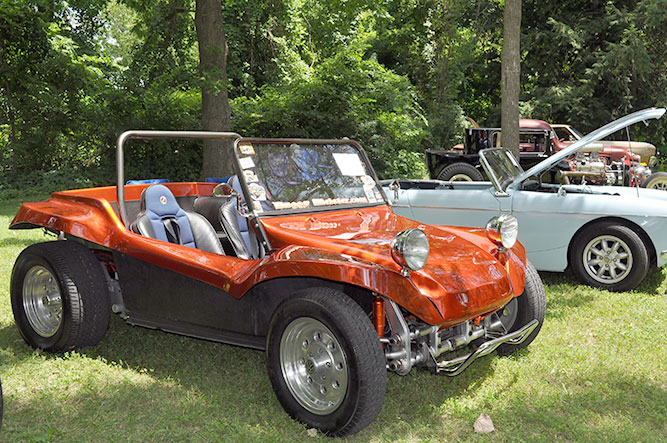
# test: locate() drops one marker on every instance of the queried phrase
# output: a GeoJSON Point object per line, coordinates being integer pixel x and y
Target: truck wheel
{"type": "Point", "coordinates": [657, 180]}
{"type": "Point", "coordinates": [609, 256]}
{"type": "Point", "coordinates": [530, 305]}
{"type": "Point", "coordinates": [461, 172]}
{"type": "Point", "coordinates": [59, 296]}
{"type": "Point", "coordinates": [325, 362]}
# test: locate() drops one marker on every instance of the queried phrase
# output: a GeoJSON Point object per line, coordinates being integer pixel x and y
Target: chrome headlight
{"type": "Point", "coordinates": [503, 230]}
{"type": "Point", "coordinates": [410, 249]}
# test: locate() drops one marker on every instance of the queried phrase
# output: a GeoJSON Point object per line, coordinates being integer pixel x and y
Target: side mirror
{"type": "Point", "coordinates": [224, 190]}
{"type": "Point", "coordinates": [395, 186]}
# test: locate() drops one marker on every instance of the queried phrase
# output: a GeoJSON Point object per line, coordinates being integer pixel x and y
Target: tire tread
{"type": "Point", "coordinates": [366, 347]}
{"type": "Point", "coordinates": [640, 259]}
{"type": "Point", "coordinates": [460, 168]}
{"type": "Point", "coordinates": [86, 295]}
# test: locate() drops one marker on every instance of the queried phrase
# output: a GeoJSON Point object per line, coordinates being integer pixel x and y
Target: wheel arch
{"type": "Point", "coordinates": [648, 243]}
{"type": "Point", "coordinates": [285, 286]}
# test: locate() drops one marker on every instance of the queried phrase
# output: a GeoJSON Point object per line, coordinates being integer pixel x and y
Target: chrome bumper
{"type": "Point", "coordinates": [458, 365]}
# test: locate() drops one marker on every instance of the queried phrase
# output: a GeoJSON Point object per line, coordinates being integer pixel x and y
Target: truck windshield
{"type": "Point", "coordinates": [306, 177]}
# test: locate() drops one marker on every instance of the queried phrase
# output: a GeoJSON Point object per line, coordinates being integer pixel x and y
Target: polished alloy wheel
{"type": "Point", "coordinates": [313, 365]}
{"type": "Point", "coordinates": [42, 301]}
{"type": "Point", "coordinates": [607, 259]}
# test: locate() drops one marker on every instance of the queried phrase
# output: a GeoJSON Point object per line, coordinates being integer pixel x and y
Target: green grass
{"type": "Point", "coordinates": [596, 372]}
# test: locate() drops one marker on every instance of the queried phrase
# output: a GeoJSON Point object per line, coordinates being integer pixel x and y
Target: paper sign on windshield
{"type": "Point", "coordinates": [246, 162]}
{"type": "Point", "coordinates": [349, 164]}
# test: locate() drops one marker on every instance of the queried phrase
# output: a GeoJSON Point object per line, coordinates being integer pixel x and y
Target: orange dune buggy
{"type": "Point", "coordinates": [298, 253]}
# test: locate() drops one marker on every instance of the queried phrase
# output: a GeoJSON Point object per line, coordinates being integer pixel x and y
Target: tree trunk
{"type": "Point", "coordinates": [8, 98]}
{"type": "Point", "coordinates": [216, 112]}
{"type": "Point", "coordinates": [510, 77]}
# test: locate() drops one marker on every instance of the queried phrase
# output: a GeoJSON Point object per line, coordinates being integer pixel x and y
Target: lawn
{"type": "Point", "coordinates": [597, 371]}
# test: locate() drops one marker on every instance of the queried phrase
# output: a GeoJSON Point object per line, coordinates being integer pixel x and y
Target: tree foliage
{"type": "Point", "coordinates": [398, 75]}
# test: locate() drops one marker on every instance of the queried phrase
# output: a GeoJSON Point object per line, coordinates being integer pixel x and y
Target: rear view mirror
{"type": "Point", "coordinates": [224, 190]}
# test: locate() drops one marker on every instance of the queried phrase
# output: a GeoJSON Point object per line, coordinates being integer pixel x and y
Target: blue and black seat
{"type": "Point", "coordinates": [223, 213]}
{"type": "Point", "coordinates": [160, 217]}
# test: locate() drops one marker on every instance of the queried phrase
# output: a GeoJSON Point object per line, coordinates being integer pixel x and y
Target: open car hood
{"type": "Point", "coordinates": [598, 134]}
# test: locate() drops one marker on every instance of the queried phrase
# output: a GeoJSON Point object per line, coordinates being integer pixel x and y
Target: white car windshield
{"type": "Point", "coordinates": [306, 176]}
{"type": "Point", "coordinates": [501, 167]}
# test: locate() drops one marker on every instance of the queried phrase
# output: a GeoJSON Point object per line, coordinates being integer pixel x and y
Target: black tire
{"type": "Point", "coordinates": [79, 279]}
{"type": "Point", "coordinates": [365, 365]}
{"type": "Point", "coordinates": [657, 180]}
{"type": "Point", "coordinates": [636, 262]}
{"type": "Point", "coordinates": [460, 172]}
{"type": "Point", "coordinates": [530, 305]}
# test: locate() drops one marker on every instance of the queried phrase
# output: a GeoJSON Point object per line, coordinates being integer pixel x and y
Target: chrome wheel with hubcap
{"type": "Point", "coordinates": [42, 301]}
{"type": "Point", "coordinates": [314, 365]}
{"type": "Point", "coordinates": [325, 361]}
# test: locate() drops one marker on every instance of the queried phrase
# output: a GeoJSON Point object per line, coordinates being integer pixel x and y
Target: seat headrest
{"type": "Point", "coordinates": [160, 200]}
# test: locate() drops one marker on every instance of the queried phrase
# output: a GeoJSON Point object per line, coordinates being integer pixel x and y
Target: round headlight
{"type": "Point", "coordinates": [410, 249]}
{"type": "Point", "coordinates": [503, 230]}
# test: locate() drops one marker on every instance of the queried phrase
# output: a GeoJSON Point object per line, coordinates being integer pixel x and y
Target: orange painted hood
{"type": "Point", "coordinates": [462, 274]}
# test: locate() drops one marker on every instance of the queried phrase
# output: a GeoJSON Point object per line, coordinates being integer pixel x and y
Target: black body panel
{"type": "Point", "coordinates": [159, 298]}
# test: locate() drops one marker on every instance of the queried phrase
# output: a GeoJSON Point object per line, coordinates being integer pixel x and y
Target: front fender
{"type": "Point", "coordinates": [514, 258]}
{"type": "Point", "coordinates": [303, 261]}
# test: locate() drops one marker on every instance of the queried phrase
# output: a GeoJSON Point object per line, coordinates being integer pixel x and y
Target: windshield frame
{"type": "Point", "coordinates": [500, 190]}
{"type": "Point", "coordinates": [252, 213]}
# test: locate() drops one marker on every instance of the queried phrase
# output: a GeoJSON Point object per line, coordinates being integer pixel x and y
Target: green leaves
{"type": "Point", "coordinates": [398, 75]}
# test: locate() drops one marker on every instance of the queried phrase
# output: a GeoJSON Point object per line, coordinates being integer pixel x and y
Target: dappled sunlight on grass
{"type": "Point", "coordinates": [595, 372]}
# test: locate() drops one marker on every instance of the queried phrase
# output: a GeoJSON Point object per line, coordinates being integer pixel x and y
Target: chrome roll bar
{"type": "Point", "coordinates": [173, 135]}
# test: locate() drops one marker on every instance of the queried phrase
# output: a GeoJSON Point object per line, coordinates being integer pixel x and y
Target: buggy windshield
{"type": "Point", "coordinates": [306, 176]}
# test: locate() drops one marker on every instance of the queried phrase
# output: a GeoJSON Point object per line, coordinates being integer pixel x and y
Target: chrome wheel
{"type": "Point", "coordinates": [313, 365]}
{"type": "Point", "coordinates": [607, 259]}
{"type": "Point", "coordinates": [460, 178]}
{"type": "Point", "coordinates": [42, 301]}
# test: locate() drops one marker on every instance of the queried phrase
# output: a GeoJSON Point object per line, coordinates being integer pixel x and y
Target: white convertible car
{"type": "Point", "coordinates": [608, 235]}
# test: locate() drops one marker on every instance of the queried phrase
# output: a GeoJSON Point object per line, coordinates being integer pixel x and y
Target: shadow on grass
{"type": "Point", "coordinates": [653, 281]}
{"type": "Point", "coordinates": [177, 385]}
{"type": "Point", "coordinates": [609, 406]}
{"type": "Point", "coordinates": [239, 375]}
{"type": "Point", "coordinates": [565, 293]}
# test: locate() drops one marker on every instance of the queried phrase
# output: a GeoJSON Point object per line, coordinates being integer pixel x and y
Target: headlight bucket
{"type": "Point", "coordinates": [410, 249]}
{"type": "Point", "coordinates": [503, 230]}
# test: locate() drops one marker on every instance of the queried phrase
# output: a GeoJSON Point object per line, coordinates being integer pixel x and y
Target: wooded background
{"type": "Point", "coordinates": [400, 76]}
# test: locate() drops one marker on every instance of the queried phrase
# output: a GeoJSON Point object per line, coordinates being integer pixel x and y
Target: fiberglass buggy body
{"type": "Point", "coordinates": [299, 254]}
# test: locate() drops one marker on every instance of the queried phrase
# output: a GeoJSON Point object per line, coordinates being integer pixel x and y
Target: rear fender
{"type": "Point", "coordinates": [88, 218]}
